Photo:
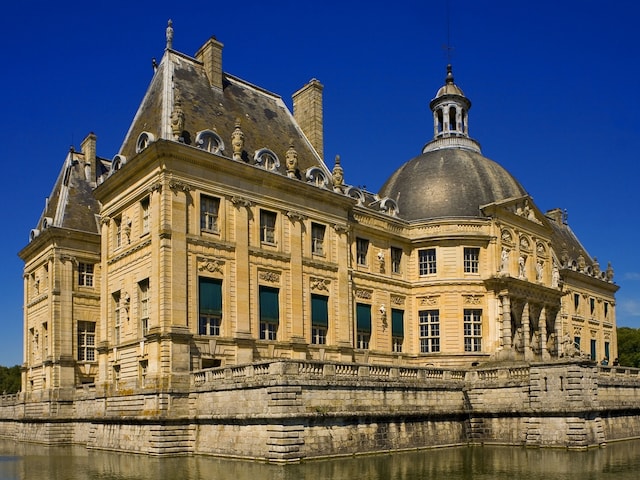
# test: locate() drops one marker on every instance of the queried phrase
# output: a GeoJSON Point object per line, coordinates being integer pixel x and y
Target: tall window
{"type": "Point", "coordinates": [471, 260]}
{"type": "Point", "coordinates": [362, 249]}
{"type": "Point", "coordinates": [594, 354]}
{"type": "Point", "coordinates": [118, 231]}
{"type": "Point", "coordinates": [317, 238]}
{"type": "Point", "coordinates": [592, 305]}
{"type": "Point", "coordinates": [45, 339]}
{"type": "Point", "coordinates": [576, 301]}
{"type": "Point", "coordinates": [472, 330]}
{"type": "Point", "coordinates": [210, 306]}
{"type": "Point", "coordinates": [363, 325]}
{"type": "Point", "coordinates": [143, 305]}
{"type": "Point", "coordinates": [118, 315]}
{"type": "Point", "coordinates": [429, 331]}
{"type": "Point", "coordinates": [397, 330]}
{"type": "Point", "coordinates": [144, 211]}
{"type": "Point", "coordinates": [267, 227]}
{"type": "Point", "coordinates": [576, 343]}
{"type": "Point", "coordinates": [319, 319]}
{"type": "Point", "coordinates": [85, 274]}
{"type": "Point", "coordinates": [86, 341]}
{"type": "Point", "coordinates": [606, 350]}
{"type": "Point", "coordinates": [427, 261]}
{"type": "Point", "coordinates": [269, 313]}
{"type": "Point", "coordinates": [396, 260]}
{"type": "Point", "coordinates": [209, 208]}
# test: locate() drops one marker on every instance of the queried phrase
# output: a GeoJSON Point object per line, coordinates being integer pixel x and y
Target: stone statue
{"type": "Point", "coordinates": [609, 272]}
{"type": "Point", "coordinates": [521, 267]}
{"type": "Point", "coordinates": [596, 267]}
{"type": "Point", "coordinates": [338, 175]}
{"type": "Point", "coordinates": [555, 276]}
{"type": "Point", "coordinates": [177, 119]}
{"type": "Point", "coordinates": [539, 271]}
{"type": "Point", "coordinates": [291, 161]}
{"type": "Point", "coordinates": [568, 348]}
{"type": "Point", "coordinates": [551, 344]}
{"type": "Point", "coordinates": [504, 260]}
{"type": "Point", "coordinates": [170, 34]}
{"type": "Point", "coordinates": [518, 340]}
{"type": "Point", "coordinates": [237, 141]}
{"type": "Point", "coordinates": [535, 342]}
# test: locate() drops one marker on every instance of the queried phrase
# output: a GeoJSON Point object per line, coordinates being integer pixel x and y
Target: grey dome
{"type": "Point", "coordinates": [448, 182]}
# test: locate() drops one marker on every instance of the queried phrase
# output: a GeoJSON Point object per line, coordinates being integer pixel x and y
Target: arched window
{"type": "Point", "coordinates": [317, 177]}
{"type": "Point", "coordinates": [144, 140]}
{"type": "Point", "coordinates": [210, 141]}
{"type": "Point", "coordinates": [117, 163]}
{"type": "Point", "coordinates": [266, 159]}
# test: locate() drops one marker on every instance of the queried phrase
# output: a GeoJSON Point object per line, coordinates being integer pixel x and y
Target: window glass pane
{"type": "Point", "coordinates": [319, 310]}
{"type": "Point", "coordinates": [397, 323]}
{"type": "Point", "coordinates": [210, 296]}
{"type": "Point", "coordinates": [269, 306]}
{"type": "Point", "coordinates": [363, 316]}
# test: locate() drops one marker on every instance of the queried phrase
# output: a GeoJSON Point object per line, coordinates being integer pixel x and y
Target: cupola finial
{"type": "Point", "coordinates": [449, 78]}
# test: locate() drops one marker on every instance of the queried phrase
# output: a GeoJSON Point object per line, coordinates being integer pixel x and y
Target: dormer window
{"type": "Point", "coordinates": [267, 159]}
{"type": "Point", "coordinates": [117, 163]}
{"type": "Point", "coordinates": [210, 141]}
{"type": "Point", "coordinates": [317, 177]}
{"type": "Point", "coordinates": [144, 140]}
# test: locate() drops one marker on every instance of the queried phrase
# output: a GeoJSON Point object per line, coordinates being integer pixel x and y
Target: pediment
{"type": "Point", "coordinates": [522, 207]}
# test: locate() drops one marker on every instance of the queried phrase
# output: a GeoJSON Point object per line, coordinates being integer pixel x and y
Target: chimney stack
{"type": "Point", "coordinates": [210, 54]}
{"type": "Point", "coordinates": [307, 110]}
{"type": "Point", "coordinates": [88, 148]}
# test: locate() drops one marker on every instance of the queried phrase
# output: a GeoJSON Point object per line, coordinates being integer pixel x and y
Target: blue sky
{"type": "Point", "coordinates": [554, 87]}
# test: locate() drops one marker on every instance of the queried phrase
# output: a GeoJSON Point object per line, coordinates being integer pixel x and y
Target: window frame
{"type": "Point", "coordinates": [268, 223]}
{"type": "Point", "coordinates": [396, 260]}
{"type": "Point", "coordinates": [210, 319]}
{"type": "Point", "coordinates": [268, 325]}
{"type": "Point", "coordinates": [209, 213]}
{"type": "Point", "coordinates": [429, 325]}
{"type": "Point", "coordinates": [471, 259]}
{"type": "Point", "coordinates": [145, 216]}
{"type": "Point", "coordinates": [86, 338]}
{"type": "Point", "coordinates": [427, 261]}
{"type": "Point", "coordinates": [319, 326]}
{"type": "Point", "coordinates": [362, 251]}
{"type": "Point", "coordinates": [144, 304]}
{"type": "Point", "coordinates": [318, 237]}
{"type": "Point", "coordinates": [472, 330]}
{"type": "Point", "coordinates": [86, 272]}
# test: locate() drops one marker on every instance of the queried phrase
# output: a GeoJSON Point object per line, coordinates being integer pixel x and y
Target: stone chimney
{"type": "Point", "coordinates": [210, 54]}
{"type": "Point", "coordinates": [88, 148]}
{"type": "Point", "coordinates": [307, 110]}
{"type": "Point", "coordinates": [557, 215]}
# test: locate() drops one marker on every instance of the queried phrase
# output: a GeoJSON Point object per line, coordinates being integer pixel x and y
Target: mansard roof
{"type": "Point", "coordinates": [71, 204]}
{"type": "Point", "coordinates": [180, 83]}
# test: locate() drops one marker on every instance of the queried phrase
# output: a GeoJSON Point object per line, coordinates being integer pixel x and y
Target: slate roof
{"type": "Point", "coordinates": [264, 118]}
{"type": "Point", "coordinates": [449, 182]}
{"type": "Point", "coordinates": [71, 203]}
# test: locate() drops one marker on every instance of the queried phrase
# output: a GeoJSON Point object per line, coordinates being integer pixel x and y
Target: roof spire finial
{"type": "Point", "coordinates": [169, 34]}
{"type": "Point", "coordinates": [449, 78]}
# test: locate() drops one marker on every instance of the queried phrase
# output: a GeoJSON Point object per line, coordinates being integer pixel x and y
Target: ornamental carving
{"type": "Point", "coordinates": [540, 249]}
{"type": "Point", "coordinates": [293, 216]}
{"type": "Point", "coordinates": [429, 301]}
{"type": "Point", "coordinates": [341, 228]}
{"type": "Point", "coordinates": [472, 299]}
{"type": "Point", "coordinates": [156, 187]}
{"type": "Point", "coordinates": [397, 300]}
{"type": "Point", "coordinates": [269, 276]}
{"type": "Point", "coordinates": [210, 265]}
{"type": "Point", "coordinates": [241, 202]}
{"type": "Point", "coordinates": [320, 284]}
{"type": "Point", "coordinates": [524, 243]}
{"type": "Point", "coordinates": [506, 236]}
{"type": "Point", "coordinates": [364, 294]}
{"type": "Point", "coordinates": [177, 186]}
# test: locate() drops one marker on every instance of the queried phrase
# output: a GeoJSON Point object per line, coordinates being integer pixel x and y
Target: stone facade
{"type": "Point", "coordinates": [286, 411]}
{"type": "Point", "coordinates": [197, 248]}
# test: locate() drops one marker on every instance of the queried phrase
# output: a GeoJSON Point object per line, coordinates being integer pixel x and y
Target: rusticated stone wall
{"type": "Point", "coordinates": [285, 411]}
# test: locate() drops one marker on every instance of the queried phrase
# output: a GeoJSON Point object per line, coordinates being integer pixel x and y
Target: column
{"type": "Point", "coordinates": [242, 285]}
{"type": "Point", "coordinates": [506, 322]}
{"type": "Point", "coordinates": [526, 334]}
{"type": "Point", "coordinates": [542, 325]}
{"type": "Point", "coordinates": [297, 301]}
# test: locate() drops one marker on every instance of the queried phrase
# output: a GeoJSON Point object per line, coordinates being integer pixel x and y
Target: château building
{"type": "Point", "coordinates": [218, 235]}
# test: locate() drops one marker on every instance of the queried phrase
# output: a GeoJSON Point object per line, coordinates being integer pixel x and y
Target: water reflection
{"type": "Point", "coordinates": [619, 460]}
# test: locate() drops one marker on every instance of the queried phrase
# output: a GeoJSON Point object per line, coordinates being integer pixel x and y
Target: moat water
{"type": "Point", "coordinates": [619, 461]}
